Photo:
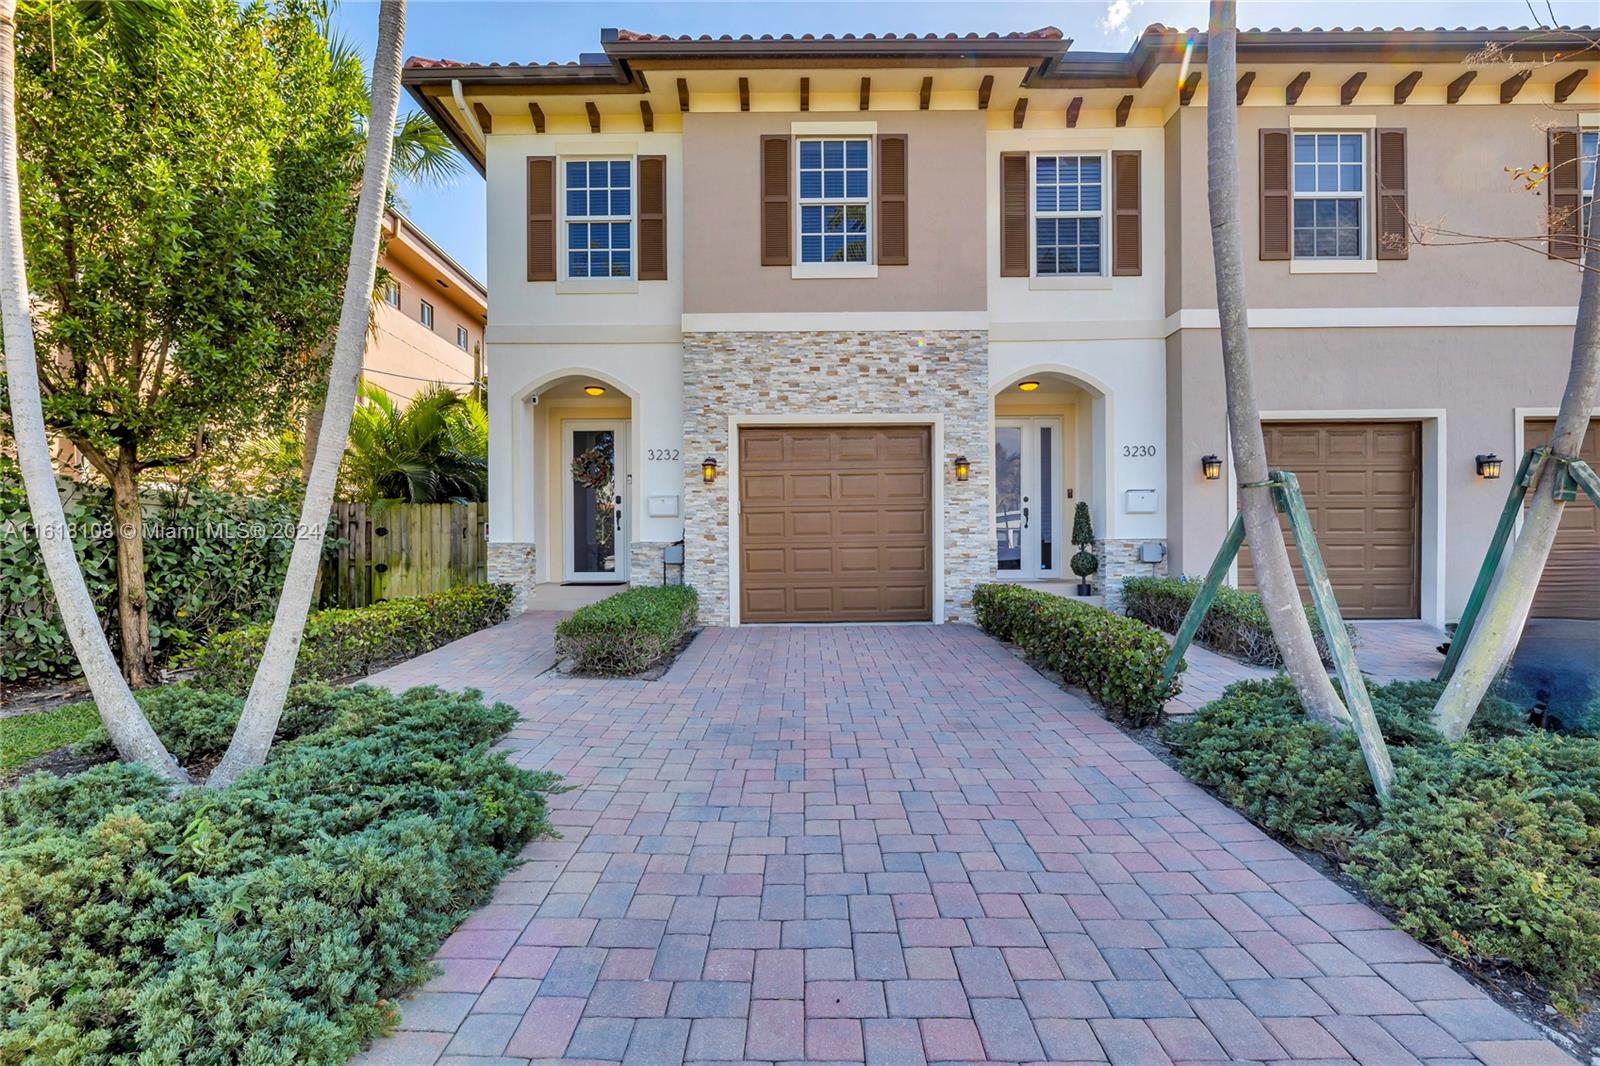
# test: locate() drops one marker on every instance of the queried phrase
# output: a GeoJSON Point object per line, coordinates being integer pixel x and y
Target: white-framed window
{"type": "Point", "coordinates": [1330, 195]}
{"type": "Point", "coordinates": [1588, 151]}
{"type": "Point", "coordinates": [1069, 215]}
{"type": "Point", "coordinates": [597, 230]}
{"type": "Point", "coordinates": [461, 337]}
{"type": "Point", "coordinates": [391, 293]}
{"type": "Point", "coordinates": [835, 201]}
{"type": "Point", "coordinates": [425, 313]}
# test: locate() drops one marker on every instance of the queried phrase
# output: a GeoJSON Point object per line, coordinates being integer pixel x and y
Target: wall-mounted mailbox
{"type": "Point", "coordinates": [1141, 501]}
{"type": "Point", "coordinates": [661, 506]}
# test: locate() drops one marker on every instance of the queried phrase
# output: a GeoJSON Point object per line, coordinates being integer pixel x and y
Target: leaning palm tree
{"type": "Point", "coordinates": [264, 705]}
{"type": "Point", "coordinates": [429, 450]}
{"type": "Point", "coordinates": [130, 732]}
{"type": "Point", "coordinates": [1268, 554]}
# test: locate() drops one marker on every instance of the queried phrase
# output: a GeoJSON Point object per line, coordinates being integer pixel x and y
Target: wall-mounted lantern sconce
{"type": "Point", "coordinates": [1489, 466]}
{"type": "Point", "coordinates": [963, 468]}
{"type": "Point", "coordinates": [1211, 466]}
{"type": "Point", "coordinates": [708, 470]}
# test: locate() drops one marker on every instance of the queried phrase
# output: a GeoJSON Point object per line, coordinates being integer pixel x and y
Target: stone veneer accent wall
{"type": "Point", "coordinates": [644, 563]}
{"type": "Point", "coordinates": [1119, 559]}
{"type": "Point", "coordinates": [512, 564]}
{"type": "Point", "coordinates": [838, 373]}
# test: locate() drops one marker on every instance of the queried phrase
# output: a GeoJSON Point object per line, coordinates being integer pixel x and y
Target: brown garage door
{"type": "Point", "coordinates": [1363, 485]}
{"type": "Point", "coordinates": [835, 524]}
{"type": "Point", "coordinates": [1570, 587]}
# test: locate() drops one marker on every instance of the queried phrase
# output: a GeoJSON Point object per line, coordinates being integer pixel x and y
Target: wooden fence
{"type": "Point", "coordinates": [402, 549]}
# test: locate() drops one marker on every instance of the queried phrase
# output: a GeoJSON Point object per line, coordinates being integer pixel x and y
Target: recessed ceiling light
{"type": "Point", "coordinates": [595, 390]}
{"type": "Point", "coordinates": [1028, 386]}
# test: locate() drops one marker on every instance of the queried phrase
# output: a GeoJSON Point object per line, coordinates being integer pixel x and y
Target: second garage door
{"type": "Point", "coordinates": [1570, 587]}
{"type": "Point", "coordinates": [1363, 485]}
{"type": "Point", "coordinates": [835, 524]}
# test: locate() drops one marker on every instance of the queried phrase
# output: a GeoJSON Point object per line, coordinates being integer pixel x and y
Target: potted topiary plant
{"type": "Point", "coordinates": [1085, 562]}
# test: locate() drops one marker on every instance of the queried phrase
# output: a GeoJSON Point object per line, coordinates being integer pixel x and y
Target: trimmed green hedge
{"type": "Point", "coordinates": [1116, 660]}
{"type": "Point", "coordinates": [1489, 848]}
{"type": "Point", "coordinates": [1236, 623]}
{"type": "Point", "coordinates": [630, 632]}
{"type": "Point", "coordinates": [272, 921]}
{"type": "Point", "coordinates": [353, 641]}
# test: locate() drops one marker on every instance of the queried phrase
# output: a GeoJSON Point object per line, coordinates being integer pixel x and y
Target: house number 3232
{"type": "Point", "coordinates": [665, 455]}
{"type": "Point", "coordinates": [1138, 451]}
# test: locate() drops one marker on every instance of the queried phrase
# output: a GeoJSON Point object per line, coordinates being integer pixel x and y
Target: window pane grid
{"type": "Point", "coordinates": [1068, 203]}
{"type": "Point", "coordinates": [1329, 195]}
{"type": "Point", "coordinates": [1588, 162]}
{"type": "Point", "coordinates": [835, 187]}
{"type": "Point", "coordinates": [599, 209]}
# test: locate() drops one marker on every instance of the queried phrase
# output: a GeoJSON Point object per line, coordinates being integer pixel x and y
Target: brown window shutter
{"type": "Point", "coordinates": [775, 212]}
{"type": "Point", "coordinates": [652, 218]}
{"type": "Point", "coordinates": [894, 243]}
{"type": "Point", "coordinates": [1275, 198]}
{"type": "Point", "coordinates": [1566, 200]}
{"type": "Point", "coordinates": [1014, 256]}
{"type": "Point", "coordinates": [541, 218]}
{"type": "Point", "coordinates": [1391, 235]}
{"type": "Point", "coordinates": [1126, 260]}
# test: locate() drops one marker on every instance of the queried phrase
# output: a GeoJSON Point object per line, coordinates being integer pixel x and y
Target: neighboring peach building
{"type": "Point", "coordinates": [430, 320]}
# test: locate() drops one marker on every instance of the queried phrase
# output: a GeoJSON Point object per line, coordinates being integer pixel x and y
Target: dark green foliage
{"type": "Point", "coordinates": [212, 562]}
{"type": "Point", "coordinates": [431, 449]}
{"type": "Point", "coordinates": [352, 641]}
{"type": "Point", "coordinates": [630, 632]}
{"type": "Point", "coordinates": [1117, 660]}
{"type": "Point", "coordinates": [1236, 623]}
{"type": "Point", "coordinates": [1492, 851]}
{"type": "Point", "coordinates": [1489, 848]}
{"type": "Point", "coordinates": [1083, 562]}
{"type": "Point", "coordinates": [196, 724]}
{"type": "Point", "coordinates": [270, 922]}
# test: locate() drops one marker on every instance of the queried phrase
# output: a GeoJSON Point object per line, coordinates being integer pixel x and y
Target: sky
{"type": "Point", "coordinates": [536, 31]}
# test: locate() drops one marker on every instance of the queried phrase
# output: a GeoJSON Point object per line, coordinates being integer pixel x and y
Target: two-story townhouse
{"type": "Point", "coordinates": [862, 319]}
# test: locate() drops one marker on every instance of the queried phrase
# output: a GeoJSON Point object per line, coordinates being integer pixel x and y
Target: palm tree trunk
{"type": "Point", "coordinates": [1499, 627]}
{"type": "Point", "coordinates": [1268, 554]}
{"type": "Point", "coordinates": [135, 741]}
{"type": "Point", "coordinates": [264, 705]}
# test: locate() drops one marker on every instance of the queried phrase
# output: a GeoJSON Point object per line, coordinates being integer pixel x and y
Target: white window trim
{"type": "Point", "coordinates": [1323, 264]}
{"type": "Point", "coordinates": [391, 294]}
{"type": "Point", "coordinates": [463, 338]}
{"type": "Point", "coordinates": [1102, 280]}
{"type": "Point", "coordinates": [425, 313]}
{"type": "Point", "coordinates": [565, 282]}
{"type": "Point", "coordinates": [869, 269]}
{"type": "Point", "coordinates": [1586, 131]}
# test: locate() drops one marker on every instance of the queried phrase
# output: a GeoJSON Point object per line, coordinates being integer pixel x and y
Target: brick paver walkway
{"type": "Point", "coordinates": [896, 845]}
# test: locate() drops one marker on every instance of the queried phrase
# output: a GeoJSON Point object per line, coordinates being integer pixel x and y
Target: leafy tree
{"type": "Point", "coordinates": [434, 449]}
{"type": "Point", "coordinates": [186, 203]}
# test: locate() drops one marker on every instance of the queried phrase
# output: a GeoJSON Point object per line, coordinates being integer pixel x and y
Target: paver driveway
{"type": "Point", "coordinates": [901, 844]}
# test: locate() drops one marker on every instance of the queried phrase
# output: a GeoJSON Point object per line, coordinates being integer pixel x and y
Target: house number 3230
{"type": "Point", "coordinates": [1138, 451]}
{"type": "Point", "coordinates": [665, 455]}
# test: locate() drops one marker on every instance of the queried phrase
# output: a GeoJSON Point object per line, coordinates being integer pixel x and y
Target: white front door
{"type": "Point", "coordinates": [595, 478]}
{"type": "Point", "coordinates": [1027, 499]}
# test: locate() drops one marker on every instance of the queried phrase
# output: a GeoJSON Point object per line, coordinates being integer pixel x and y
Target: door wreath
{"type": "Point", "coordinates": [592, 469]}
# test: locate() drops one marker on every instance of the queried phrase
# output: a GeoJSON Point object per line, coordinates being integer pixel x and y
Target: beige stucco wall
{"type": "Point", "coordinates": [403, 355]}
{"type": "Point", "coordinates": [722, 260]}
{"type": "Point", "coordinates": [1457, 157]}
{"type": "Point", "coordinates": [1464, 385]}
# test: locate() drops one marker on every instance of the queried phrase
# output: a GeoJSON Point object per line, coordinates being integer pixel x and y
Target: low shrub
{"type": "Point", "coordinates": [197, 725]}
{"type": "Point", "coordinates": [1117, 660]}
{"type": "Point", "coordinates": [272, 921]}
{"type": "Point", "coordinates": [352, 641]}
{"type": "Point", "coordinates": [1235, 624]}
{"type": "Point", "coordinates": [630, 632]}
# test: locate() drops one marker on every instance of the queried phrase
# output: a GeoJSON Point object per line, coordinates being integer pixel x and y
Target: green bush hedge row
{"type": "Point", "coordinates": [1117, 660]}
{"type": "Point", "coordinates": [1489, 848]}
{"type": "Point", "coordinates": [630, 632]}
{"type": "Point", "coordinates": [1235, 624]}
{"type": "Point", "coordinates": [270, 922]}
{"type": "Point", "coordinates": [347, 642]}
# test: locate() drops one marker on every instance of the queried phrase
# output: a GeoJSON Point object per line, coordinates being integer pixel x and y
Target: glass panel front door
{"type": "Point", "coordinates": [596, 532]}
{"type": "Point", "coordinates": [1027, 498]}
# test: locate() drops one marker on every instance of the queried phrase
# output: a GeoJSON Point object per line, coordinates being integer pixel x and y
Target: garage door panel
{"type": "Point", "coordinates": [1361, 482]}
{"type": "Point", "coordinates": [836, 524]}
{"type": "Point", "coordinates": [1570, 585]}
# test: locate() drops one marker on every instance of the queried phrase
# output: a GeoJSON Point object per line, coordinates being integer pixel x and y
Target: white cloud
{"type": "Point", "coordinates": [1118, 12]}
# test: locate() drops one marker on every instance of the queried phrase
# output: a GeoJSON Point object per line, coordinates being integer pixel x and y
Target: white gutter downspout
{"type": "Point", "coordinates": [467, 112]}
